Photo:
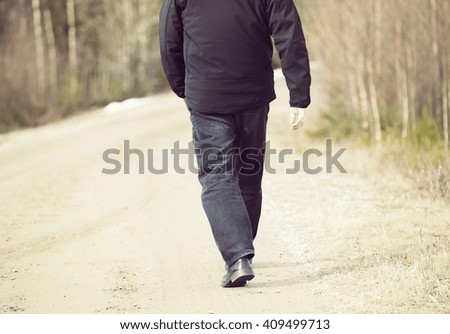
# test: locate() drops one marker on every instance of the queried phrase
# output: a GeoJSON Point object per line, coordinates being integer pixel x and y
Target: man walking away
{"type": "Point", "coordinates": [217, 55]}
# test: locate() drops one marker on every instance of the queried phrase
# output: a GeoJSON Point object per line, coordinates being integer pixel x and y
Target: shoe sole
{"type": "Point", "coordinates": [239, 279]}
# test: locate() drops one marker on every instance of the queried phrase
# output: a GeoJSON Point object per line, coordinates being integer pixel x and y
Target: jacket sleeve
{"type": "Point", "coordinates": [171, 45]}
{"type": "Point", "coordinates": [286, 28]}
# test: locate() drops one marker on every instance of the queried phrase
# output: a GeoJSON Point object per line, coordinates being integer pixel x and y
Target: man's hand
{"type": "Point", "coordinates": [297, 118]}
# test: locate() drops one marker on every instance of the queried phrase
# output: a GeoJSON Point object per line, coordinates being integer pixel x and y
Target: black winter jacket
{"type": "Point", "coordinates": [218, 53]}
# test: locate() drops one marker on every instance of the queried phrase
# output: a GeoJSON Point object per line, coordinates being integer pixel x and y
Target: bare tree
{"type": "Point", "coordinates": [391, 60]}
{"type": "Point", "coordinates": [39, 45]}
{"type": "Point", "coordinates": [59, 55]}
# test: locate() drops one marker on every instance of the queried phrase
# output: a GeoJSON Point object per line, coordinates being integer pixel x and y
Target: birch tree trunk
{"type": "Point", "coordinates": [51, 49]}
{"type": "Point", "coordinates": [411, 55]}
{"type": "Point", "coordinates": [374, 101]}
{"type": "Point", "coordinates": [72, 36]}
{"type": "Point", "coordinates": [363, 94]}
{"type": "Point", "coordinates": [436, 61]}
{"type": "Point", "coordinates": [401, 79]}
{"type": "Point", "coordinates": [39, 46]}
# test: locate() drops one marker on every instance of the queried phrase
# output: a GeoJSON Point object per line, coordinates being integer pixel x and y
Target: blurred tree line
{"type": "Point", "coordinates": [60, 55]}
{"type": "Point", "coordinates": [389, 60]}
{"type": "Point", "coordinates": [391, 63]}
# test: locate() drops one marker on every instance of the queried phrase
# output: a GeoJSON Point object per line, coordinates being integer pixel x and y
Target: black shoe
{"type": "Point", "coordinates": [238, 274]}
{"type": "Point", "coordinates": [249, 260]}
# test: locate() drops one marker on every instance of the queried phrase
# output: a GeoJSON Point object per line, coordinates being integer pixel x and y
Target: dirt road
{"type": "Point", "coordinates": [74, 240]}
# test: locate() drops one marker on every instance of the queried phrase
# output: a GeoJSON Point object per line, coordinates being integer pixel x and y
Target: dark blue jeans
{"type": "Point", "coordinates": [230, 156]}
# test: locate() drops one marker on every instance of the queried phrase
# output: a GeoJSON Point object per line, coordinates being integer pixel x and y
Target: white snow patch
{"type": "Point", "coordinates": [127, 105]}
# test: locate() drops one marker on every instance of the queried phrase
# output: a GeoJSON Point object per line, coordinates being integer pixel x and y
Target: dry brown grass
{"type": "Point", "coordinates": [392, 241]}
{"type": "Point", "coordinates": [381, 241]}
